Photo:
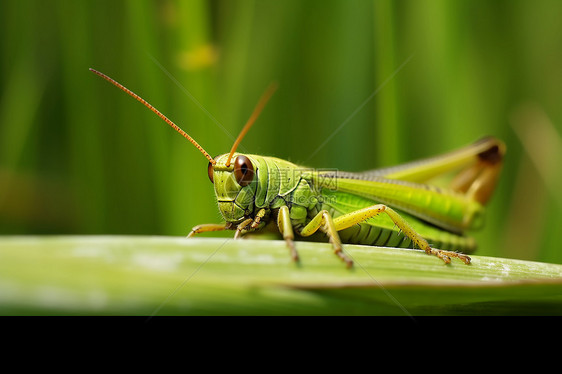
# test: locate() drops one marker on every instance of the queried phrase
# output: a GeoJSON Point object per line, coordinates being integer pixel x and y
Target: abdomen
{"type": "Point", "coordinates": [366, 234]}
{"type": "Point", "coordinates": [381, 230]}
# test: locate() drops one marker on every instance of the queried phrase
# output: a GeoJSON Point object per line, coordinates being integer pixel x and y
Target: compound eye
{"type": "Point", "coordinates": [243, 170]}
{"type": "Point", "coordinates": [210, 172]}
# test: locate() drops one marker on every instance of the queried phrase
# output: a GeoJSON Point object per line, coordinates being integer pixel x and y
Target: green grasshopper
{"type": "Point", "coordinates": [393, 206]}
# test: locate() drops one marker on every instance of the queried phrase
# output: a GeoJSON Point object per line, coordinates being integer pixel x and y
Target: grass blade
{"type": "Point", "coordinates": [147, 276]}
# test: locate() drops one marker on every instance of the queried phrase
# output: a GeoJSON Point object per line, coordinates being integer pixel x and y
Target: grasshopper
{"type": "Point", "coordinates": [395, 206]}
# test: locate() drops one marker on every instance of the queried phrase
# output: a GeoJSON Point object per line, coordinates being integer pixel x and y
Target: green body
{"type": "Point", "coordinates": [438, 215]}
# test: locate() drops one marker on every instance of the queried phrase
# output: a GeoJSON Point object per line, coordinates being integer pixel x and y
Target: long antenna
{"type": "Point", "coordinates": [257, 110]}
{"type": "Point", "coordinates": [157, 112]}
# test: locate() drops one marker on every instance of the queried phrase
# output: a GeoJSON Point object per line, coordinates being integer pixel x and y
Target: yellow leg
{"type": "Point", "coordinates": [207, 227]}
{"type": "Point", "coordinates": [353, 218]}
{"type": "Point", "coordinates": [259, 216]}
{"type": "Point", "coordinates": [251, 224]}
{"type": "Point", "coordinates": [323, 221]}
{"type": "Point", "coordinates": [286, 229]}
{"type": "Point", "coordinates": [242, 226]}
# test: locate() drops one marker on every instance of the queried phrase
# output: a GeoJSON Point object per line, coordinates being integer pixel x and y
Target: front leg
{"type": "Point", "coordinates": [252, 224]}
{"type": "Point", "coordinates": [208, 227]}
{"type": "Point", "coordinates": [241, 228]}
{"type": "Point", "coordinates": [261, 220]}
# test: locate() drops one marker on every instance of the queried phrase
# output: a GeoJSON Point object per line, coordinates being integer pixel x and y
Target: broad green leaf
{"type": "Point", "coordinates": [154, 276]}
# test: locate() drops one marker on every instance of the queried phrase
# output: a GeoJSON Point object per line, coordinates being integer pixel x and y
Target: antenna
{"type": "Point", "coordinates": [158, 113]}
{"type": "Point", "coordinates": [257, 110]}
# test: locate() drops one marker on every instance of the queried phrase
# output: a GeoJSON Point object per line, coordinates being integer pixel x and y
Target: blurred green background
{"type": "Point", "coordinates": [77, 156]}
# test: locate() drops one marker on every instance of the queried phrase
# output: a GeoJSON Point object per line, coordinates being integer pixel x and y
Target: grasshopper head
{"type": "Point", "coordinates": [235, 175]}
{"type": "Point", "coordinates": [235, 185]}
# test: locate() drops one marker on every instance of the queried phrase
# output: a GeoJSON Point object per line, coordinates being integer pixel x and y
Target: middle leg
{"type": "Point", "coordinates": [324, 222]}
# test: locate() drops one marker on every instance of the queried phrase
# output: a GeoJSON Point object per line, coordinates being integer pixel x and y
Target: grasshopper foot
{"type": "Point", "coordinates": [347, 260]}
{"type": "Point", "coordinates": [341, 254]}
{"type": "Point", "coordinates": [447, 255]}
{"type": "Point", "coordinates": [292, 250]}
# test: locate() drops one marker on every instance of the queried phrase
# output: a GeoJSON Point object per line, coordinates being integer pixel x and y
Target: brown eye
{"type": "Point", "coordinates": [210, 172]}
{"type": "Point", "coordinates": [243, 170]}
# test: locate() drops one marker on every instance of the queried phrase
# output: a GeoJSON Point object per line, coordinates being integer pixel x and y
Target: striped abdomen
{"type": "Point", "coordinates": [381, 231]}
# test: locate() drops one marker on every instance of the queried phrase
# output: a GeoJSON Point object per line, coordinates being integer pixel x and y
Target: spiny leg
{"type": "Point", "coordinates": [242, 226]}
{"type": "Point", "coordinates": [207, 227]}
{"type": "Point", "coordinates": [259, 216]}
{"type": "Point", "coordinates": [323, 221]}
{"type": "Point", "coordinates": [252, 224]}
{"type": "Point", "coordinates": [286, 229]}
{"type": "Point", "coordinates": [361, 215]}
